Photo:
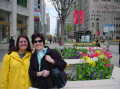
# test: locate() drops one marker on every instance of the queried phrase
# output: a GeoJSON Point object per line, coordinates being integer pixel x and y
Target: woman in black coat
{"type": "Point", "coordinates": [42, 62]}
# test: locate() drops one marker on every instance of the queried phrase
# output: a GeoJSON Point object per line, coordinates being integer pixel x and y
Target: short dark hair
{"type": "Point", "coordinates": [40, 35]}
{"type": "Point", "coordinates": [17, 43]}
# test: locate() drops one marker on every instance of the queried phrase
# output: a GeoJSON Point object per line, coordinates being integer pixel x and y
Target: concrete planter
{"type": "Point", "coordinates": [79, 70]}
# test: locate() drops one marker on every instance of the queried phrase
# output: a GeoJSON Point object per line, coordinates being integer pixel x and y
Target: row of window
{"type": "Point", "coordinates": [37, 5]}
{"type": "Point", "coordinates": [106, 0]}
{"type": "Point", "coordinates": [117, 1]}
{"type": "Point", "coordinates": [97, 19]}
{"type": "Point", "coordinates": [22, 3]}
{"type": "Point", "coordinates": [115, 25]}
{"type": "Point", "coordinates": [117, 18]}
{"type": "Point", "coordinates": [102, 0]}
{"type": "Point", "coordinates": [93, 17]}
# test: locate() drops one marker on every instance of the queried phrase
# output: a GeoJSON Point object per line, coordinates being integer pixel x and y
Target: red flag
{"type": "Point", "coordinates": [75, 16]}
{"type": "Point", "coordinates": [82, 15]}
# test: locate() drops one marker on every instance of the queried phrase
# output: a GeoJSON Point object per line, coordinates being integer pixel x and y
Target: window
{"type": "Point", "coordinates": [39, 4]}
{"type": "Point", "coordinates": [92, 24]}
{"type": "Point", "coordinates": [22, 3]}
{"type": "Point", "coordinates": [117, 1]}
{"type": "Point", "coordinates": [97, 19]}
{"type": "Point", "coordinates": [106, 0]}
{"type": "Point", "coordinates": [95, 0]}
{"type": "Point", "coordinates": [117, 25]}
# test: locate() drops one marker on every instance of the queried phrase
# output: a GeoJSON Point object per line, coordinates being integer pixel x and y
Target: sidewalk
{"type": "Point", "coordinates": [2, 53]}
{"type": "Point", "coordinates": [114, 49]}
{"type": "Point", "coordinates": [93, 84]}
{"type": "Point", "coordinates": [4, 46]}
{"type": "Point", "coordinates": [113, 83]}
{"type": "Point", "coordinates": [3, 50]}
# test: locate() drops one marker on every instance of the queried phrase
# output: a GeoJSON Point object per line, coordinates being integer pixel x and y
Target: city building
{"type": "Point", "coordinates": [43, 12]}
{"type": "Point", "coordinates": [16, 17]}
{"type": "Point", "coordinates": [47, 29]}
{"type": "Point", "coordinates": [39, 16]}
{"type": "Point", "coordinates": [103, 18]}
{"type": "Point", "coordinates": [58, 28]}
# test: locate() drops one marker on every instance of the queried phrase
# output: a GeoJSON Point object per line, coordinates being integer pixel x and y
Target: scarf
{"type": "Point", "coordinates": [40, 55]}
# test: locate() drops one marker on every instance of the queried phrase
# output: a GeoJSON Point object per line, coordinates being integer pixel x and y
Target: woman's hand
{"type": "Point", "coordinates": [33, 50]}
{"type": "Point", "coordinates": [40, 73]}
{"type": "Point", "coordinates": [43, 73]}
{"type": "Point", "coordinates": [49, 59]}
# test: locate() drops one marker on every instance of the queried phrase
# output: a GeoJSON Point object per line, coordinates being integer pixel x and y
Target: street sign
{"type": "Point", "coordinates": [108, 27]}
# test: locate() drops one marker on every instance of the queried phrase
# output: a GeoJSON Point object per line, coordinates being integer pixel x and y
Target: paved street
{"type": "Point", "coordinates": [3, 50]}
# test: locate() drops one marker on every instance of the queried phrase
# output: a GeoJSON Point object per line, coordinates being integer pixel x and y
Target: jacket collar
{"type": "Point", "coordinates": [16, 56]}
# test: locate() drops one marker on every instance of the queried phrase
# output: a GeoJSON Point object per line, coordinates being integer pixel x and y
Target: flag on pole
{"type": "Point", "coordinates": [76, 16]}
{"type": "Point", "coordinates": [82, 15]}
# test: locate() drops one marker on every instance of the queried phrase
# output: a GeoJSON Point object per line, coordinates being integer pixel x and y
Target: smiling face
{"type": "Point", "coordinates": [23, 44]}
{"type": "Point", "coordinates": [38, 43]}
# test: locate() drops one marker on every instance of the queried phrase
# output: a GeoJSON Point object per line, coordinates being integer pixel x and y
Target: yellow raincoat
{"type": "Point", "coordinates": [15, 71]}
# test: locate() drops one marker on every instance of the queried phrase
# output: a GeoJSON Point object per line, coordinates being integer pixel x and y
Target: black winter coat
{"type": "Point", "coordinates": [44, 82]}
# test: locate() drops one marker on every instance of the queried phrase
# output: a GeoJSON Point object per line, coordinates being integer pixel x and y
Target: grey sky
{"type": "Point", "coordinates": [53, 14]}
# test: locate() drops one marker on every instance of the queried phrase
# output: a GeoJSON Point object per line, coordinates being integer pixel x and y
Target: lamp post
{"type": "Point", "coordinates": [119, 53]}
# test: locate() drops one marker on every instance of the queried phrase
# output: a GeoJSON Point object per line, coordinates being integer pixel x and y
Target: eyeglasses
{"type": "Point", "coordinates": [39, 41]}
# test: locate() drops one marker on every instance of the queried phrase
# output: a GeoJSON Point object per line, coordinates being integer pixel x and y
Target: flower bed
{"type": "Point", "coordinates": [96, 65]}
{"type": "Point", "coordinates": [87, 72]}
{"type": "Point", "coordinates": [71, 53]}
{"type": "Point", "coordinates": [90, 44]}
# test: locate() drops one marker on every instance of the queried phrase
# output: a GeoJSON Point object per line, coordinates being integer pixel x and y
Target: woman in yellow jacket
{"type": "Point", "coordinates": [15, 66]}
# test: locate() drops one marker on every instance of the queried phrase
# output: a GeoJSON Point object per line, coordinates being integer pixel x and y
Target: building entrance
{"type": "Point", "coordinates": [22, 29]}
{"type": "Point", "coordinates": [4, 32]}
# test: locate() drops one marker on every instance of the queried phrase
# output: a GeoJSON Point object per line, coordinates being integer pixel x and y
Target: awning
{"type": "Point", "coordinates": [4, 23]}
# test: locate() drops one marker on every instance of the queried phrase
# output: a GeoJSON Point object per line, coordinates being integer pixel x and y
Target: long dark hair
{"type": "Point", "coordinates": [17, 43]}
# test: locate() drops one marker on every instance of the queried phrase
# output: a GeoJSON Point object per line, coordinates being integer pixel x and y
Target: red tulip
{"type": "Point", "coordinates": [83, 54]}
{"type": "Point", "coordinates": [107, 65]}
{"type": "Point", "coordinates": [108, 54]}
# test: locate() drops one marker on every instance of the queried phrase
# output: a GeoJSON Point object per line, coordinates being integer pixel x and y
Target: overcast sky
{"type": "Point", "coordinates": [53, 14]}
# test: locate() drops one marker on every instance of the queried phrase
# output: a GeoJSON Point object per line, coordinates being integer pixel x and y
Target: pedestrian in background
{"type": "Point", "coordinates": [43, 60]}
{"type": "Point", "coordinates": [97, 43]}
{"type": "Point", "coordinates": [50, 40]}
{"type": "Point", "coordinates": [107, 45]}
{"type": "Point", "coordinates": [15, 66]}
{"type": "Point", "coordinates": [11, 44]}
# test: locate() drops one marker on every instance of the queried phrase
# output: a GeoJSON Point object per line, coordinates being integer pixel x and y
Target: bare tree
{"type": "Point", "coordinates": [63, 8]}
